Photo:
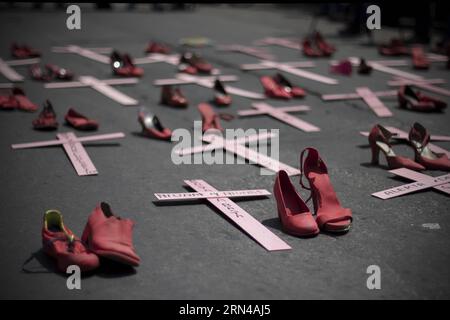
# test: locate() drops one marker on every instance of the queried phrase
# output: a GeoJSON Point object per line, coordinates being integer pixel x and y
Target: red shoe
{"type": "Point", "coordinates": [331, 216]}
{"type": "Point", "coordinates": [46, 119]}
{"type": "Point", "coordinates": [282, 81]}
{"type": "Point", "coordinates": [197, 62]}
{"type": "Point", "coordinates": [122, 65]}
{"type": "Point", "coordinates": [7, 101]}
{"type": "Point", "coordinates": [344, 67]}
{"type": "Point", "coordinates": [418, 140]}
{"type": "Point", "coordinates": [151, 126]}
{"type": "Point", "coordinates": [309, 50]}
{"type": "Point", "coordinates": [173, 98]}
{"type": "Point", "coordinates": [395, 48]}
{"type": "Point", "coordinates": [296, 219]}
{"type": "Point", "coordinates": [37, 73]}
{"type": "Point", "coordinates": [210, 120]}
{"type": "Point", "coordinates": [221, 97]}
{"type": "Point", "coordinates": [363, 67]}
{"type": "Point", "coordinates": [80, 122]}
{"type": "Point", "coordinates": [379, 140]}
{"type": "Point", "coordinates": [408, 99]}
{"type": "Point", "coordinates": [154, 47]}
{"type": "Point", "coordinates": [23, 103]}
{"type": "Point", "coordinates": [325, 48]}
{"type": "Point", "coordinates": [420, 61]}
{"type": "Point", "coordinates": [23, 52]}
{"type": "Point", "coordinates": [110, 236]}
{"type": "Point", "coordinates": [273, 90]}
{"type": "Point", "coordinates": [60, 243]}
{"type": "Point", "coordinates": [59, 73]}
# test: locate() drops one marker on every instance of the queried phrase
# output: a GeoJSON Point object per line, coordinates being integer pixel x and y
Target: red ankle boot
{"type": "Point", "coordinates": [295, 217]}
{"type": "Point", "coordinates": [331, 216]}
{"type": "Point", "coordinates": [110, 236]}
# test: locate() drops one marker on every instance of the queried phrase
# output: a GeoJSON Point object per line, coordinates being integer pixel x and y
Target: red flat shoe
{"type": "Point", "coordinates": [395, 47]}
{"type": "Point", "coordinates": [80, 122]}
{"type": "Point", "coordinates": [221, 97]}
{"type": "Point", "coordinates": [122, 65]}
{"type": "Point", "coordinates": [343, 67]}
{"type": "Point", "coordinates": [60, 243]}
{"type": "Point", "coordinates": [59, 73]}
{"type": "Point", "coordinates": [325, 48]}
{"type": "Point", "coordinates": [295, 217]}
{"type": "Point", "coordinates": [154, 47]}
{"type": "Point", "coordinates": [151, 126]}
{"type": "Point", "coordinates": [210, 120]}
{"type": "Point", "coordinates": [23, 103]}
{"type": "Point", "coordinates": [110, 236]}
{"type": "Point", "coordinates": [309, 50]}
{"type": "Point", "coordinates": [379, 140]}
{"type": "Point", "coordinates": [46, 119]}
{"type": "Point", "coordinates": [294, 92]}
{"type": "Point", "coordinates": [420, 61]}
{"type": "Point", "coordinates": [418, 139]}
{"type": "Point", "coordinates": [197, 62]}
{"type": "Point", "coordinates": [330, 215]}
{"type": "Point", "coordinates": [23, 52]}
{"type": "Point", "coordinates": [273, 90]}
{"type": "Point", "coordinates": [409, 99]}
{"type": "Point", "coordinates": [173, 98]}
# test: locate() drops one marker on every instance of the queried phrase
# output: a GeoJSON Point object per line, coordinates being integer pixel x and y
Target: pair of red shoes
{"type": "Point", "coordinates": [24, 51]}
{"type": "Point", "coordinates": [280, 87]}
{"type": "Point", "coordinates": [418, 139]}
{"type": "Point", "coordinates": [395, 47]}
{"type": "Point", "coordinates": [192, 63]}
{"type": "Point", "coordinates": [295, 216]}
{"type": "Point", "coordinates": [16, 99]}
{"type": "Point", "coordinates": [155, 47]}
{"type": "Point", "coordinates": [51, 72]}
{"type": "Point", "coordinates": [122, 65]}
{"type": "Point", "coordinates": [151, 126]}
{"type": "Point", "coordinates": [47, 119]}
{"type": "Point", "coordinates": [316, 46]}
{"type": "Point", "coordinates": [417, 101]}
{"type": "Point", "coordinates": [105, 235]}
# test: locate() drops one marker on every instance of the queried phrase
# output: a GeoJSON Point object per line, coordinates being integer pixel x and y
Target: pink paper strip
{"type": "Point", "coordinates": [108, 91]}
{"type": "Point", "coordinates": [417, 176]}
{"type": "Point", "coordinates": [350, 96]}
{"type": "Point", "coordinates": [22, 62]}
{"type": "Point", "coordinates": [9, 73]}
{"type": "Point", "coordinates": [77, 155]}
{"type": "Point", "coordinates": [242, 218]}
{"type": "Point", "coordinates": [211, 194]}
{"type": "Point", "coordinates": [373, 102]}
{"type": "Point", "coordinates": [250, 112]}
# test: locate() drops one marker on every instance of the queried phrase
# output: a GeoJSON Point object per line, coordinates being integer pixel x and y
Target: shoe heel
{"type": "Point", "coordinates": [375, 154]}
{"type": "Point", "coordinates": [85, 235]}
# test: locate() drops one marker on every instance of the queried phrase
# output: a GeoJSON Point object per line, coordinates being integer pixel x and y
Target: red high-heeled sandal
{"type": "Point", "coordinates": [330, 215]}
{"type": "Point", "coordinates": [273, 90]}
{"type": "Point", "coordinates": [295, 217]}
{"type": "Point", "coordinates": [417, 101]}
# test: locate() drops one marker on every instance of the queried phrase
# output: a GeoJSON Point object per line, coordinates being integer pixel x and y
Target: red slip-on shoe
{"type": "Point", "coordinates": [110, 236]}
{"type": "Point", "coordinates": [60, 243]}
{"type": "Point", "coordinates": [151, 126]}
{"type": "Point", "coordinates": [395, 47]}
{"type": "Point", "coordinates": [173, 98]}
{"type": "Point", "coordinates": [418, 139]}
{"type": "Point", "coordinates": [295, 92]}
{"type": "Point", "coordinates": [295, 217]}
{"type": "Point", "coordinates": [79, 121]}
{"type": "Point", "coordinates": [59, 73]}
{"type": "Point", "coordinates": [343, 67]}
{"type": "Point", "coordinates": [416, 101]}
{"type": "Point", "coordinates": [46, 119]}
{"type": "Point", "coordinates": [23, 52]}
{"type": "Point", "coordinates": [194, 60]}
{"type": "Point", "coordinates": [23, 103]}
{"type": "Point", "coordinates": [154, 47]}
{"type": "Point", "coordinates": [221, 97]}
{"type": "Point", "coordinates": [309, 50]}
{"type": "Point", "coordinates": [324, 47]}
{"type": "Point", "coordinates": [210, 120]}
{"type": "Point", "coordinates": [330, 215]}
{"type": "Point", "coordinates": [273, 90]}
{"type": "Point", "coordinates": [420, 61]}
{"type": "Point", "coordinates": [379, 138]}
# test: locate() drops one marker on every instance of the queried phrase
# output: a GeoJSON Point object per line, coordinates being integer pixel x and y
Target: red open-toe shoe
{"type": "Point", "coordinates": [330, 215]}
{"type": "Point", "coordinates": [273, 90]}
{"type": "Point", "coordinates": [221, 97]}
{"type": "Point", "coordinates": [79, 121]}
{"type": "Point", "coordinates": [151, 126]}
{"type": "Point", "coordinates": [210, 120]}
{"type": "Point", "coordinates": [295, 217]}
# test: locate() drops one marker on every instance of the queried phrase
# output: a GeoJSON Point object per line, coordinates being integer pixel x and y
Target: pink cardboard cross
{"type": "Point", "coordinates": [102, 86]}
{"type": "Point", "coordinates": [74, 149]}
{"type": "Point", "coordinates": [251, 51]}
{"type": "Point", "coordinates": [282, 42]}
{"type": "Point", "coordinates": [95, 54]}
{"type": "Point", "coordinates": [208, 82]}
{"type": "Point", "coordinates": [281, 113]}
{"type": "Point", "coordinates": [421, 182]}
{"type": "Point", "coordinates": [221, 200]}
{"type": "Point", "coordinates": [425, 84]}
{"type": "Point", "coordinates": [370, 97]}
{"type": "Point", "coordinates": [10, 73]}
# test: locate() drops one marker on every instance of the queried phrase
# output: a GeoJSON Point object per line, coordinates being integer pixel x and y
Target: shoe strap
{"type": "Point", "coordinates": [302, 173]}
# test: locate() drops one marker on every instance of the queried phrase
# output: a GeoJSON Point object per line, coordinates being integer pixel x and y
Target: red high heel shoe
{"type": "Point", "coordinates": [46, 119]}
{"type": "Point", "coordinates": [379, 140]}
{"type": "Point", "coordinates": [409, 99]}
{"type": "Point", "coordinates": [309, 50]}
{"type": "Point", "coordinates": [331, 216]}
{"type": "Point", "coordinates": [210, 120]}
{"type": "Point", "coordinates": [173, 98]}
{"type": "Point", "coordinates": [221, 97]}
{"type": "Point", "coordinates": [79, 121]}
{"type": "Point", "coordinates": [326, 48]}
{"type": "Point", "coordinates": [418, 139]}
{"type": "Point", "coordinates": [295, 217]}
{"type": "Point", "coordinates": [122, 65]}
{"type": "Point", "coordinates": [273, 90]}
{"type": "Point", "coordinates": [420, 61]}
{"type": "Point", "coordinates": [154, 47]}
{"type": "Point", "coordinates": [151, 126]}
{"type": "Point", "coordinates": [197, 62]}
{"type": "Point", "coordinates": [58, 72]}
{"type": "Point", "coordinates": [295, 92]}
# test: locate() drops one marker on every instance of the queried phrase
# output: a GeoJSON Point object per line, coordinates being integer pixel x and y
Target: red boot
{"type": "Point", "coordinates": [46, 119]}
{"type": "Point", "coordinates": [60, 243]}
{"type": "Point", "coordinates": [273, 90]}
{"type": "Point", "coordinates": [110, 236]}
{"type": "Point", "coordinates": [295, 217]}
{"type": "Point", "coordinates": [79, 121]}
{"type": "Point", "coordinates": [331, 216]}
